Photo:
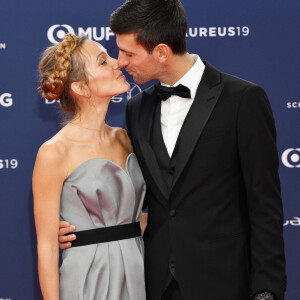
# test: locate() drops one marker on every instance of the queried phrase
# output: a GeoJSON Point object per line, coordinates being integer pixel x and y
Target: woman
{"type": "Point", "coordinates": [87, 174]}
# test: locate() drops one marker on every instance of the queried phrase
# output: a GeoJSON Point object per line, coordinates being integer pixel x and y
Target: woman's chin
{"type": "Point", "coordinates": [126, 87]}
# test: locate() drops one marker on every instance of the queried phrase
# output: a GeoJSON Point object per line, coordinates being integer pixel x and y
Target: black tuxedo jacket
{"type": "Point", "coordinates": [222, 220]}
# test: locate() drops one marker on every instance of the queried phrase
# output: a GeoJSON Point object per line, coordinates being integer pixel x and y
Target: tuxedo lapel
{"type": "Point", "coordinates": [205, 100]}
{"type": "Point", "coordinates": [146, 113]}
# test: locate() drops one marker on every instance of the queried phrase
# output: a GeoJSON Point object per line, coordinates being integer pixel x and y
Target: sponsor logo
{"type": "Point", "coordinates": [218, 31]}
{"type": "Point", "coordinates": [291, 158]}
{"type": "Point", "coordinates": [6, 100]}
{"type": "Point", "coordinates": [2, 46]}
{"type": "Point", "coordinates": [56, 33]}
{"type": "Point", "coordinates": [51, 101]}
{"type": "Point", "coordinates": [8, 164]}
{"type": "Point", "coordinates": [134, 90]}
{"type": "Point", "coordinates": [294, 222]}
{"type": "Point", "coordinates": [293, 104]}
{"type": "Point", "coordinates": [5, 298]}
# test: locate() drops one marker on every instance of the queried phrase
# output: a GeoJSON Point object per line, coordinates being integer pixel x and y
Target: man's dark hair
{"type": "Point", "coordinates": [154, 22]}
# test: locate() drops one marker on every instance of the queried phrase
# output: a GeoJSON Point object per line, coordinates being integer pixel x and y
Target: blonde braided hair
{"type": "Point", "coordinates": [59, 67]}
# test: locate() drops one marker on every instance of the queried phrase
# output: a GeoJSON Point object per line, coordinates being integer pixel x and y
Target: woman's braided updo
{"type": "Point", "coordinates": [61, 65]}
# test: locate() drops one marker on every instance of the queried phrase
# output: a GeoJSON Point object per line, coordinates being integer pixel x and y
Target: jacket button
{"type": "Point", "coordinates": [172, 265]}
{"type": "Point", "coordinates": [172, 213]}
{"type": "Point", "coordinates": [171, 171]}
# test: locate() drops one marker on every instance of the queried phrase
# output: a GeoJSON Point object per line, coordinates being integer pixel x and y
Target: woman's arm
{"type": "Point", "coordinates": [47, 184]}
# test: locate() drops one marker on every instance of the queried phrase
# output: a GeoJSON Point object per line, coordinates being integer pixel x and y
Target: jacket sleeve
{"type": "Point", "coordinates": [259, 161]}
{"type": "Point", "coordinates": [129, 132]}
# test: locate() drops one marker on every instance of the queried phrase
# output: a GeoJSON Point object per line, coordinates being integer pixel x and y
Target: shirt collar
{"type": "Point", "coordinates": [192, 77]}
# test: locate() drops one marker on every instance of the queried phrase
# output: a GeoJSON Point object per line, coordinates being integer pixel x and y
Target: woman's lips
{"type": "Point", "coordinates": [121, 76]}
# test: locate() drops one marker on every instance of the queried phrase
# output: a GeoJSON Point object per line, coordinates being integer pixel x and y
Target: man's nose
{"type": "Point", "coordinates": [122, 60]}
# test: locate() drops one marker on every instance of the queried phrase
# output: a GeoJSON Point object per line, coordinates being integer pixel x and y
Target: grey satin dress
{"type": "Point", "coordinates": [100, 193]}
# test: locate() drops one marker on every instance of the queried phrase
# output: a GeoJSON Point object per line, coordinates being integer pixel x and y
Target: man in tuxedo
{"type": "Point", "coordinates": [206, 144]}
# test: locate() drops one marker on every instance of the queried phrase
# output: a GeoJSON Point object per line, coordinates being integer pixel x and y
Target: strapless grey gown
{"type": "Point", "coordinates": [100, 193]}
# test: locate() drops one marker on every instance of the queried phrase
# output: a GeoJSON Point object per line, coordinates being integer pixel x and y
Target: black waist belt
{"type": "Point", "coordinates": [106, 234]}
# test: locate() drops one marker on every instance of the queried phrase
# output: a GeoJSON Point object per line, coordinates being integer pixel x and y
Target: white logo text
{"type": "Point", "coordinates": [217, 31]}
{"type": "Point", "coordinates": [56, 33]}
{"type": "Point", "coordinates": [8, 164]}
{"type": "Point", "coordinates": [6, 100]}
{"type": "Point", "coordinates": [291, 158]}
{"type": "Point", "coordinates": [295, 222]}
{"type": "Point", "coordinates": [293, 105]}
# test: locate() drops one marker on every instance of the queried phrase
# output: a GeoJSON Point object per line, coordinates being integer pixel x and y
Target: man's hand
{"type": "Point", "coordinates": [64, 241]}
{"type": "Point", "coordinates": [143, 221]}
{"type": "Point", "coordinates": [264, 296]}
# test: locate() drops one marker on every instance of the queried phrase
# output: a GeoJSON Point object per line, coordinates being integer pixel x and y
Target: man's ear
{"type": "Point", "coordinates": [80, 88]}
{"type": "Point", "coordinates": [161, 52]}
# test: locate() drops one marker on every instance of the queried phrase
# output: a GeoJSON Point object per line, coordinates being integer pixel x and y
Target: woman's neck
{"type": "Point", "coordinates": [90, 120]}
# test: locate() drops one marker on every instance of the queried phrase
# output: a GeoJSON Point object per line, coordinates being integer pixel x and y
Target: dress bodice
{"type": "Point", "coordinates": [100, 193]}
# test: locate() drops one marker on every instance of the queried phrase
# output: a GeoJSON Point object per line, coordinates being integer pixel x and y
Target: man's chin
{"type": "Point", "coordinates": [139, 81]}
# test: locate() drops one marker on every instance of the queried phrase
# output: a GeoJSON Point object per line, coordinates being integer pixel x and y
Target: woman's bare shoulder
{"type": "Point", "coordinates": [53, 152]}
{"type": "Point", "coordinates": [122, 136]}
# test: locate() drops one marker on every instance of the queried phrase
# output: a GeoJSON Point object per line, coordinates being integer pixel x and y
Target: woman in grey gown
{"type": "Point", "coordinates": [87, 174]}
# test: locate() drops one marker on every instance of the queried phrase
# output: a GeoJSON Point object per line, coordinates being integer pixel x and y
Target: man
{"type": "Point", "coordinates": [207, 150]}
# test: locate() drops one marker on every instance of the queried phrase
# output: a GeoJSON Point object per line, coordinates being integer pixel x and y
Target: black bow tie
{"type": "Point", "coordinates": [164, 92]}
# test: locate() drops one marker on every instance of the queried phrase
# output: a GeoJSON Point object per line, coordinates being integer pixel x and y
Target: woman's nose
{"type": "Point", "coordinates": [115, 63]}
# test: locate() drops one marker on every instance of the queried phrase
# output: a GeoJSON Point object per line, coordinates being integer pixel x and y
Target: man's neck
{"type": "Point", "coordinates": [177, 66]}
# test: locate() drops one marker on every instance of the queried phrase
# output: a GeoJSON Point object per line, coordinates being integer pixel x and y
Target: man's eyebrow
{"type": "Point", "coordinates": [125, 51]}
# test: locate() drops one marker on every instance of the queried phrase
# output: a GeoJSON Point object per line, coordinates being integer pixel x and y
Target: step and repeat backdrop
{"type": "Point", "coordinates": [256, 40]}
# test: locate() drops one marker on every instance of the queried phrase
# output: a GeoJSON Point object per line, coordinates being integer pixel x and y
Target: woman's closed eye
{"type": "Point", "coordinates": [104, 62]}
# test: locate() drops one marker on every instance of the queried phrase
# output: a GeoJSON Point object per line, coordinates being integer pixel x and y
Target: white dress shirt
{"type": "Point", "coordinates": [175, 108]}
